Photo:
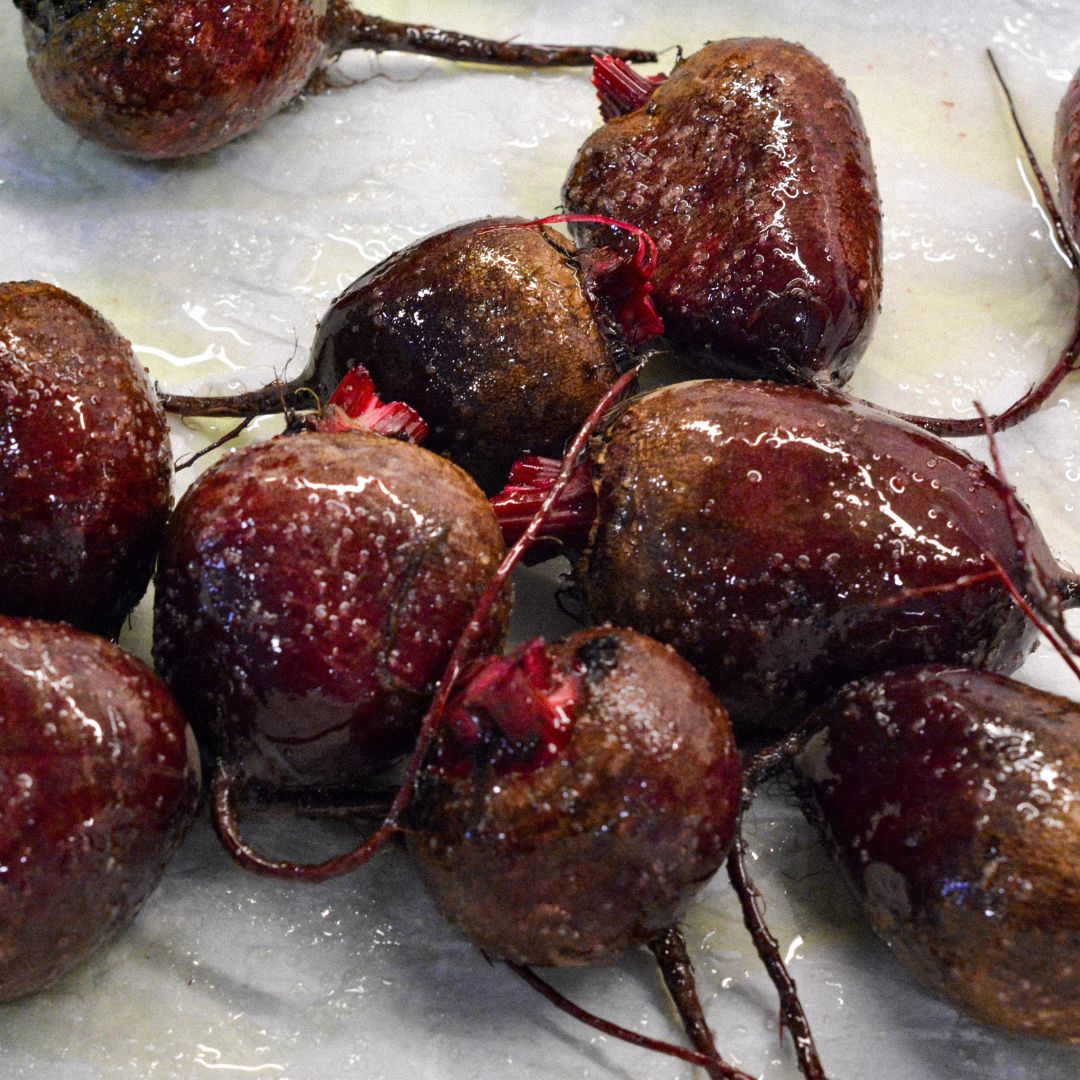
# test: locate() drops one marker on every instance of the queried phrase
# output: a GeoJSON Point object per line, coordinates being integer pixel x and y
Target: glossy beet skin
{"type": "Point", "coordinates": [169, 78]}
{"type": "Point", "coordinates": [158, 79]}
{"type": "Point", "coordinates": [1067, 156]}
{"type": "Point", "coordinates": [308, 595]}
{"type": "Point", "coordinates": [575, 853]}
{"type": "Point", "coordinates": [85, 466]}
{"type": "Point", "coordinates": [750, 168]}
{"type": "Point", "coordinates": [98, 784]}
{"type": "Point", "coordinates": [769, 532]}
{"type": "Point", "coordinates": [951, 799]}
{"type": "Point", "coordinates": [492, 331]}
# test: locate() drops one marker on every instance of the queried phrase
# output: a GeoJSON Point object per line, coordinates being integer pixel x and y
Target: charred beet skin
{"type": "Point", "coordinates": [308, 595]}
{"type": "Point", "coordinates": [786, 541]}
{"type": "Point", "coordinates": [577, 798]}
{"type": "Point", "coordinates": [85, 466]}
{"type": "Point", "coordinates": [750, 168]}
{"type": "Point", "coordinates": [168, 78]}
{"type": "Point", "coordinates": [950, 798]}
{"type": "Point", "coordinates": [98, 784]}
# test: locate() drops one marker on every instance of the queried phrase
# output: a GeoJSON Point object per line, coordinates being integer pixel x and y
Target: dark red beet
{"type": "Point", "coordinates": [750, 168]}
{"type": "Point", "coordinates": [85, 467]}
{"type": "Point", "coordinates": [98, 784]}
{"type": "Point", "coordinates": [578, 797]}
{"type": "Point", "coordinates": [951, 798]}
{"type": "Point", "coordinates": [168, 78]}
{"type": "Point", "coordinates": [308, 596]}
{"type": "Point", "coordinates": [786, 541]}
{"type": "Point", "coordinates": [498, 332]}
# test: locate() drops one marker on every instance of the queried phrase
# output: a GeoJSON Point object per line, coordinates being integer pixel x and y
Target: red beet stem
{"type": "Point", "coordinates": [791, 1011]}
{"type": "Point", "coordinates": [620, 88]}
{"type": "Point", "coordinates": [622, 281]}
{"type": "Point", "coordinates": [225, 783]}
{"type": "Point", "coordinates": [531, 479]}
{"type": "Point", "coordinates": [355, 406]}
{"type": "Point", "coordinates": [1068, 361]}
{"type": "Point", "coordinates": [347, 28]}
{"type": "Point", "coordinates": [714, 1066]}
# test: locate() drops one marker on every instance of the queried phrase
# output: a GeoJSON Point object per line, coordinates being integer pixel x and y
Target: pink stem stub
{"type": "Point", "coordinates": [355, 406]}
{"type": "Point", "coordinates": [620, 88]}
{"type": "Point", "coordinates": [532, 477]}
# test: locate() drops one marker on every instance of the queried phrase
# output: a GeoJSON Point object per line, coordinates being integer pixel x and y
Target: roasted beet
{"type": "Point", "coordinates": [951, 799]}
{"type": "Point", "coordinates": [750, 168]}
{"type": "Point", "coordinates": [98, 784]}
{"type": "Point", "coordinates": [168, 78]}
{"type": "Point", "coordinates": [786, 541]}
{"type": "Point", "coordinates": [85, 467]}
{"type": "Point", "coordinates": [498, 332]}
{"type": "Point", "coordinates": [308, 595]}
{"type": "Point", "coordinates": [577, 798]}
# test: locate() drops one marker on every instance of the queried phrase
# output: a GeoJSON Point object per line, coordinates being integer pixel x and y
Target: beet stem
{"type": "Point", "coordinates": [792, 1015]}
{"type": "Point", "coordinates": [347, 28]}
{"type": "Point", "coordinates": [224, 783]}
{"type": "Point", "coordinates": [713, 1066]}
{"type": "Point", "coordinates": [678, 974]}
{"type": "Point", "coordinates": [620, 88]}
{"type": "Point", "coordinates": [1069, 359]}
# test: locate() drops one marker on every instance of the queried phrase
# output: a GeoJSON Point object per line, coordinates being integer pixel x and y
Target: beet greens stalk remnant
{"type": "Point", "coordinates": [171, 78]}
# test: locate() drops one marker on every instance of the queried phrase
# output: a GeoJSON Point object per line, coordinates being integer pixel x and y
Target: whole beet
{"type": "Point", "coordinates": [309, 592]}
{"type": "Point", "coordinates": [492, 331]}
{"type": "Point", "coordinates": [578, 797]}
{"type": "Point", "coordinates": [786, 540]}
{"type": "Point", "coordinates": [750, 168]}
{"type": "Point", "coordinates": [950, 797]}
{"type": "Point", "coordinates": [168, 78]}
{"type": "Point", "coordinates": [85, 466]}
{"type": "Point", "coordinates": [98, 784]}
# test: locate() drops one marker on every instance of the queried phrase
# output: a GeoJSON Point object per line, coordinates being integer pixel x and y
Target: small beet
{"type": "Point", "coordinates": [950, 797]}
{"type": "Point", "coordinates": [85, 465]}
{"type": "Point", "coordinates": [308, 595]}
{"type": "Point", "coordinates": [169, 78]}
{"type": "Point", "coordinates": [577, 798]}
{"type": "Point", "coordinates": [498, 332]}
{"type": "Point", "coordinates": [786, 541]}
{"type": "Point", "coordinates": [750, 168]}
{"type": "Point", "coordinates": [98, 783]}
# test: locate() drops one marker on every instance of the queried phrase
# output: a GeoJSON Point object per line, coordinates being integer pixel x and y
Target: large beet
{"type": "Point", "coordinates": [85, 464]}
{"type": "Point", "coordinates": [98, 784]}
{"type": "Point", "coordinates": [950, 797]}
{"type": "Point", "coordinates": [786, 541]}
{"type": "Point", "coordinates": [750, 168]}
{"type": "Point", "coordinates": [168, 78]}
{"type": "Point", "coordinates": [578, 797]}
{"type": "Point", "coordinates": [308, 595]}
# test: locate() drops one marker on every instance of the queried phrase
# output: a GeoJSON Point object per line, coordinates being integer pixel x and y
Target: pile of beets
{"type": "Point", "coordinates": [778, 579]}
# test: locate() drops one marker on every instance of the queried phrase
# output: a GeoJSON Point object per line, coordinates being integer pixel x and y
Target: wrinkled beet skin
{"type": "Point", "coordinates": [950, 797]}
{"type": "Point", "coordinates": [124, 72]}
{"type": "Point", "coordinates": [85, 467]}
{"type": "Point", "coordinates": [308, 595]}
{"type": "Point", "coordinates": [98, 784]}
{"type": "Point", "coordinates": [602, 849]}
{"type": "Point", "coordinates": [751, 170]}
{"type": "Point", "coordinates": [487, 329]}
{"type": "Point", "coordinates": [1067, 157]}
{"type": "Point", "coordinates": [765, 532]}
